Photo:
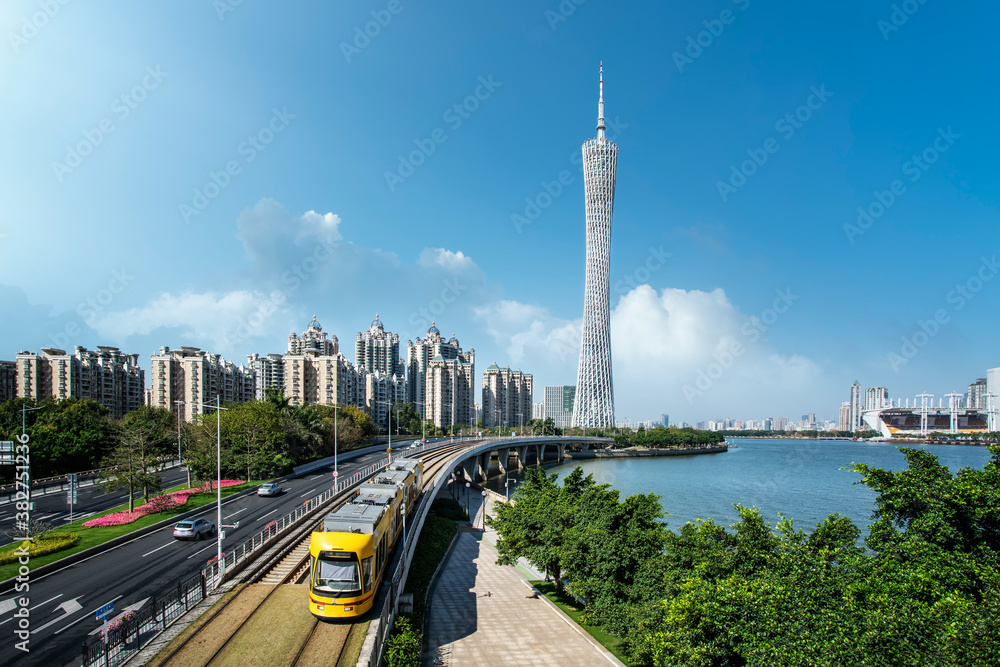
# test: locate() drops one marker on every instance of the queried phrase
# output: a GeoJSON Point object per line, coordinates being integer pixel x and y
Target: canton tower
{"type": "Point", "coordinates": [595, 396]}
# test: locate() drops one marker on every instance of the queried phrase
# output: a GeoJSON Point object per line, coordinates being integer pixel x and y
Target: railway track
{"type": "Point", "coordinates": [240, 619]}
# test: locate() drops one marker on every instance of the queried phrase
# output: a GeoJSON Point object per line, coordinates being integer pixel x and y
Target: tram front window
{"type": "Point", "coordinates": [337, 577]}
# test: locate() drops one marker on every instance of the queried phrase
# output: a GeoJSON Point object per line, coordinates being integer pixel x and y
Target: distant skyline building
{"type": "Point", "coordinates": [418, 359]}
{"type": "Point", "coordinates": [856, 398]}
{"type": "Point", "coordinates": [313, 338]}
{"type": "Point", "coordinates": [268, 372]}
{"type": "Point", "coordinates": [8, 380]}
{"type": "Point", "coordinates": [977, 394]}
{"type": "Point", "coordinates": [595, 401]}
{"type": "Point", "coordinates": [377, 350]}
{"type": "Point", "coordinates": [993, 398]}
{"type": "Point", "coordinates": [196, 377]}
{"type": "Point", "coordinates": [106, 375]}
{"type": "Point", "coordinates": [382, 393]}
{"type": "Point", "coordinates": [506, 397]}
{"type": "Point", "coordinates": [876, 398]}
{"type": "Point", "coordinates": [844, 422]}
{"type": "Point", "coordinates": [559, 402]}
{"type": "Point", "coordinates": [665, 420]}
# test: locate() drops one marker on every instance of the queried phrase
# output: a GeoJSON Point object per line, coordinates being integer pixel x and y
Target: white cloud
{"type": "Point", "coordinates": [209, 320]}
{"type": "Point", "coordinates": [446, 259]}
{"type": "Point", "coordinates": [662, 341]}
{"type": "Point", "coordinates": [273, 237]}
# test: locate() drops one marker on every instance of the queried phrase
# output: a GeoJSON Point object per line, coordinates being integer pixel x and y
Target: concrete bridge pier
{"type": "Point", "coordinates": [522, 457]}
{"type": "Point", "coordinates": [503, 460]}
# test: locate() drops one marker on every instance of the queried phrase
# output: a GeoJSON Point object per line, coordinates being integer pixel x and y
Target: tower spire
{"type": "Point", "coordinates": [600, 107]}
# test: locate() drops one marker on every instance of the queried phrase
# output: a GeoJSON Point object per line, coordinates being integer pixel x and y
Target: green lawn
{"type": "Point", "coordinates": [569, 606]}
{"type": "Point", "coordinates": [90, 537]}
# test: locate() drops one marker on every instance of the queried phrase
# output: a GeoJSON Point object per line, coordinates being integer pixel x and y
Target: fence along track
{"type": "Point", "coordinates": [291, 565]}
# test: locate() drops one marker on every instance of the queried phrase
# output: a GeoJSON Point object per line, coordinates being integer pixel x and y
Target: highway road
{"type": "Point", "coordinates": [62, 604]}
{"type": "Point", "coordinates": [91, 500]}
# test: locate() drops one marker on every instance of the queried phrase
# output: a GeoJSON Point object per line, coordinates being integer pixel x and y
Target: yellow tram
{"type": "Point", "coordinates": [353, 551]}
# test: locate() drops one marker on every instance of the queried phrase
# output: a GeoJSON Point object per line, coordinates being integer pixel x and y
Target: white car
{"type": "Point", "coordinates": [193, 529]}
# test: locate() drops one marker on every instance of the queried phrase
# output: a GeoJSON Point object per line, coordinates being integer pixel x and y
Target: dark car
{"type": "Point", "coordinates": [193, 529]}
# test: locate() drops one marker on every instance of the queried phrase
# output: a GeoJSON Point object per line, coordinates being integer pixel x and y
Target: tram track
{"type": "Point", "coordinates": [289, 566]}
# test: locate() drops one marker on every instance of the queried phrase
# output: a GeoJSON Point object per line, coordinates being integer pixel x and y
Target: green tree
{"type": "Point", "coordinates": [141, 439]}
{"type": "Point", "coordinates": [533, 525]}
{"type": "Point", "coordinates": [254, 438]}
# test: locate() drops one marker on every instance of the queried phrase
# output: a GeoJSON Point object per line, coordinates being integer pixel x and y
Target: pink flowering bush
{"type": "Point", "coordinates": [158, 504]}
{"type": "Point", "coordinates": [118, 622]}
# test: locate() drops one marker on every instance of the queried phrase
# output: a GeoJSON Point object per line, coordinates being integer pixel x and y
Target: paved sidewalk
{"type": "Point", "coordinates": [483, 614]}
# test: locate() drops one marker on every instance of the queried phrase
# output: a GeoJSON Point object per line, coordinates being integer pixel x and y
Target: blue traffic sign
{"type": "Point", "coordinates": [105, 610]}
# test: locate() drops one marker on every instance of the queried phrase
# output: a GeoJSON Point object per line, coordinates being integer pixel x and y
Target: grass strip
{"type": "Point", "coordinates": [569, 606]}
{"type": "Point", "coordinates": [158, 659]}
{"type": "Point", "coordinates": [91, 537]}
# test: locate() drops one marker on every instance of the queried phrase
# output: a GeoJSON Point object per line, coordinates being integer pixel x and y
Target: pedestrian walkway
{"type": "Point", "coordinates": [485, 614]}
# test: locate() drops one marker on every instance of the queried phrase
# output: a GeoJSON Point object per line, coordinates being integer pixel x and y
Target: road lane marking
{"type": "Point", "coordinates": [31, 608]}
{"type": "Point", "coordinates": [210, 546]}
{"type": "Point", "coordinates": [269, 513]}
{"type": "Point", "coordinates": [238, 511]}
{"type": "Point", "coordinates": [307, 493]}
{"type": "Point", "coordinates": [156, 549]}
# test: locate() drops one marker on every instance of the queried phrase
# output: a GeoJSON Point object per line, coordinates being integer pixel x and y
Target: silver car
{"type": "Point", "coordinates": [269, 489]}
{"type": "Point", "coordinates": [193, 529]}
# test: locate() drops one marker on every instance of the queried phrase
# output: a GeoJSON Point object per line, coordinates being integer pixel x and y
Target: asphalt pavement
{"type": "Point", "coordinates": [62, 603]}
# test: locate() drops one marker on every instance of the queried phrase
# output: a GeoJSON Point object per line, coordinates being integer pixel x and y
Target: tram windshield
{"type": "Point", "coordinates": [338, 576]}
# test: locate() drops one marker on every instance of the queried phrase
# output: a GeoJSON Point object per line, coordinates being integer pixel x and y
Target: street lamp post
{"type": "Point", "coordinates": [506, 486]}
{"type": "Point", "coordinates": [484, 510]}
{"type": "Point", "coordinates": [468, 502]}
{"type": "Point", "coordinates": [218, 474]}
{"type": "Point", "coordinates": [336, 473]}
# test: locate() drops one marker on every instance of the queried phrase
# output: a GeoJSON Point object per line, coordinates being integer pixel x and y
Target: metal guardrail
{"type": "Point", "coordinates": [132, 633]}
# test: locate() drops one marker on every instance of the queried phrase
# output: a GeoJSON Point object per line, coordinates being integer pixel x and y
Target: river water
{"type": "Point", "coordinates": [805, 480]}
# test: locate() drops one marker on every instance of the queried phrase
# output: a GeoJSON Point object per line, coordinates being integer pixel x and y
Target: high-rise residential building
{"type": "Point", "coordinates": [377, 350]}
{"type": "Point", "coordinates": [876, 398]}
{"type": "Point", "coordinates": [382, 393]}
{"type": "Point", "coordinates": [105, 375]}
{"type": "Point", "coordinates": [993, 398]}
{"type": "Point", "coordinates": [189, 379]}
{"type": "Point", "coordinates": [8, 380]}
{"type": "Point", "coordinates": [268, 372]}
{"type": "Point", "coordinates": [856, 424]}
{"type": "Point", "coordinates": [595, 399]}
{"type": "Point", "coordinates": [418, 359]}
{"type": "Point", "coordinates": [559, 405]}
{"type": "Point", "coordinates": [977, 394]}
{"type": "Point", "coordinates": [538, 410]}
{"type": "Point", "coordinates": [781, 424]}
{"type": "Point", "coordinates": [448, 383]}
{"type": "Point", "coordinates": [506, 397]}
{"type": "Point", "coordinates": [665, 420]}
{"type": "Point", "coordinates": [313, 338]}
{"type": "Point", "coordinates": [844, 421]}
{"type": "Point", "coordinates": [312, 378]}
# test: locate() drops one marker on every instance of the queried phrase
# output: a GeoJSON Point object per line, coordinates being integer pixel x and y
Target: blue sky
{"type": "Point", "coordinates": [223, 148]}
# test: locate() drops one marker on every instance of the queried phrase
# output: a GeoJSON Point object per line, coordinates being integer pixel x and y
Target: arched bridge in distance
{"type": "Point", "coordinates": [520, 452]}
